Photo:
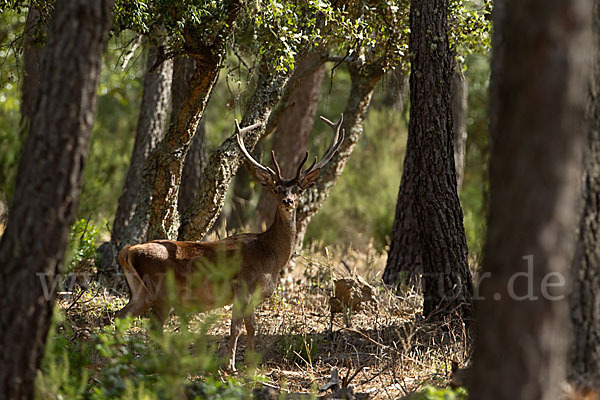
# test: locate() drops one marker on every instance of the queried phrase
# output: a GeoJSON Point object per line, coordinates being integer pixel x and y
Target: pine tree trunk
{"type": "Point", "coordinates": [447, 286]}
{"type": "Point", "coordinates": [539, 95]}
{"type": "Point", "coordinates": [585, 304]}
{"type": "Point", "coordinates": [130, 227]}
{"type": "Point", "coordinates": [428, 236]}
{"type": "Point", "coordinates": [363, 81]}
{"type": "Point", "coordinates": [290, 138]}
{"type": "Point", "coordinates": [48, 187]}
{"type": "Point", "coordinates": [164, 168]}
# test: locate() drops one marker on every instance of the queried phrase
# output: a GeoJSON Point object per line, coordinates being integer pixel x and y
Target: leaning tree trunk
{"type": "Point", "coordinates": [538, 131]}
{"type": "Point", "coordinates": [164, 168]}
{"type": "Point", "coordinates": [196, 158]}
{"type": "Point", "coordinates": [127, 228]}
{"type": "Point", "coordinates": [48, 187]}
{"type": "Point", "coordinates": [227, 158]}
{"type": "Point", "coordinates": [290, 138]}
{"type": "Point", "coordinates": [363, 81]}
{"type": "Point", "coordinates": [459, 95]}
{"type": "Point", "coordinates": [429, 178]}
{"type": "Point", "coordinates": [585, 306]}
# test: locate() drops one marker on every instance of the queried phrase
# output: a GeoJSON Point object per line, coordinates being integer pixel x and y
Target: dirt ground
{"type": "Point", "coordinates": [386, 348]}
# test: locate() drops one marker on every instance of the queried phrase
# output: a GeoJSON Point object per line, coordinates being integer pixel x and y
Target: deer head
{"type": "Point", "coordinates": [288, 191]}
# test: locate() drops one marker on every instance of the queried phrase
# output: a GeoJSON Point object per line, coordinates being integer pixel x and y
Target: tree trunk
{"type": "Point", "coordinates": [164, 168]}
{"type": "Point", "coordinates": [48, 187]}
{"type": "Point", "coordinates": [227, 158]}
{"type": "Point", "coordinates": [539, 90]}
{"type": "Point", "coordinates": [196, 158]}
{"type": "Point", "coordinates": [128, 227]}
{"type": "Point", "coordinates": [363, 81]}
{"type": "Point", "coordinates": [432, 227]}
{"type": "Point", "coordinates": [32, 64]}
{"type": "Point", "coordinates": [290, 138]}
{"type": "Point", "coordinates": [585, 304]}
{"type": "Point", "coordinates": [460, 92]}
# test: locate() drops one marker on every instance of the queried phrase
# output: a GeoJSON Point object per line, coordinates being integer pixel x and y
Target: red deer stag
{"type": "Point", "coordinates": [257, 258]}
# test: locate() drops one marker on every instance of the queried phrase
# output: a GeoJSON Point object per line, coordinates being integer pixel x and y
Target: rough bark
{"type": "Point", "coordinates": [363, 81]}
{"type": "Point", "coordinates": [128, 227]}
{"type": "Point", "coordinates": [196, 157]}
{"type": "Point", "coordinates": [227, 158]}
{"type": "Point", "coordinates": [290, 138]}
{"type": "Point", "coordinates": [164, 168]}
{"type": "Point", "coordinates": [48, 186]}
{"type": "Point", "coordinates": [585, 303]}
{"type": "Point", "coordinates": [522, 320]}
{"type": "Point", "coordinates": [32, 64]}
{"type": "Point", "coordinates": [429, 178]}
{"type": "Point", "coordinates": [459, 92]}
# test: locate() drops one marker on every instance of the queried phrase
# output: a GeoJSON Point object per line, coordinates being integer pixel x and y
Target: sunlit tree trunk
{"type": "Point", "coordinates": [196, 158]}
{"type": "Point", "coordinates": [538, 102]}
{"type": "Point", "coordinates": [164, 168]}
{"type": "Point", "coordinates": [227, 158]}
{"type": "Point", "coordinates": [48, 187]}
{"type": "Point", "coordinates": [585, 300]}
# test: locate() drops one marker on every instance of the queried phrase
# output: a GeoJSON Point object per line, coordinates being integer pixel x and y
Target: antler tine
{"type": "Point", "coordinates": [276, 165]}
{"type": "Point", "coordinates": [301, 165]}
{"type": "Point", "coordinates": [245, 152]}
{"type": "Point", "coordinates": [336, 142]}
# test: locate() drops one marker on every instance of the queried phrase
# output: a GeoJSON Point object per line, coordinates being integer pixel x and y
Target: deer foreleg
{"type": "Point", "coordinates": [250, 322]}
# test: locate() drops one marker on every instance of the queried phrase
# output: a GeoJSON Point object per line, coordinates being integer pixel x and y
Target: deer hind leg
{"type": "Point", "coordinates": [141, 297]}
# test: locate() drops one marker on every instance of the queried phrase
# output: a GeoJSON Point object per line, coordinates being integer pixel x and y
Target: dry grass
{"type": "Point", "coordinates": [392, 350]}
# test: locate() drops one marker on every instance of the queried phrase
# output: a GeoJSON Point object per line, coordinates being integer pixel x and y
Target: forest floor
{"type": "Point", "coordinates": [386, 347]}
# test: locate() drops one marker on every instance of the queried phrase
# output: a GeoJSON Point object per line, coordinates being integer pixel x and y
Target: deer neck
{"type": "Point", "coordinates": [281, 236]}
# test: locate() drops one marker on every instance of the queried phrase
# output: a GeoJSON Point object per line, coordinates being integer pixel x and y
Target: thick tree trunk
{"type": "Point", "coordinates": [431, 220]}
{"type": "Point", "coordinates": [128, 227]}
{"type": "Point", "coordinates": [48, 187]}
{"type": "Point", "coordinates": [32, 64]}
{"type": "Point", "coordinates": [364, 78]}
{"type": "Point", "coordinates": [585, 303]}
{"type": "Point", "coordinates": [196, 157]}
{"type": "Point", "coordinates": [290, 138]}
{"type": "Point", "coordinates": [447, 285]}
{"type": "Point", "coordinates": [460, 92]}
{"type": "Point", "coordinates": [227, 158]}
{"type": "Point", "coordinates": [163, 171]}
{"type": "Point", "coordinates": [538, 131]}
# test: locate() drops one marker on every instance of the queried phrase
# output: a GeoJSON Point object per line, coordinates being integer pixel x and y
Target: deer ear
{"type": "Point", "coordinates": [310, 179]}
{"type": "Point", "coordinates": [264, 178]}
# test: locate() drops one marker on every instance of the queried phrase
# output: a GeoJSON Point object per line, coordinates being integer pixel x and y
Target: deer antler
{"type": "Point", "coordinates": [251, 159]}
{"type": "Point", "coordinates": [336, 142]}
